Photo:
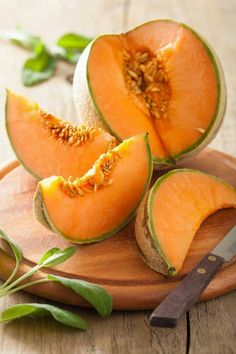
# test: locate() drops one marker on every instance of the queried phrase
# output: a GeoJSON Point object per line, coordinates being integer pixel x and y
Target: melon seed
{"type": "Point", "coordinates": [68, 133]}
{"type": "Point", "coordinates": [99, 176]}
{"type": "Point", "coordinates": [146, 77]}
{"type": "Point", "coordinates": [201, 130]}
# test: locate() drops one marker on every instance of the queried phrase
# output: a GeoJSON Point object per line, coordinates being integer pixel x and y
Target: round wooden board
{"type": "Point", "coordinates": [114, 263]}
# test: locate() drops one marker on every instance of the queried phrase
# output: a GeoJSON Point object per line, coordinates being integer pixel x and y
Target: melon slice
{"type": "Point", "coordinates": [47, 146]}
{"type": "Point", "coordinates": [172, 213]}
{"type": "Point", "coordinates": [100, 203]}
{"type": "Point", "coordinates": [161, 77]}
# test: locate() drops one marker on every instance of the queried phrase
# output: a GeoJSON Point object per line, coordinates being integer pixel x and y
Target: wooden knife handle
{"type": "Point", "coordinates": [184, 296]}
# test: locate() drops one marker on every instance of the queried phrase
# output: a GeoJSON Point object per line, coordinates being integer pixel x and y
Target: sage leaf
{"type": "Point", "coordinates": [68, 55]}
{"type": "Point", "coordinates": [71, 56]}
{"type": "Point", "coordinates": [93, 293]}
{"type": "Point", "coordinates": [73, 41]}
{"type": "Point", "coordinates": [48, 254]}
{"type": "Point", "coordinates": [21, 38]}
{"type": "Point", "coordinates": [15, 248]}
{"type": "Point", "coordinates": [38, 68]}
{"type": "Point", "coordinates": [41, 310]}
{"type": "Point", "coordinates": [40, 48]}
{"type": "Point", "coordinates": [55, 256]}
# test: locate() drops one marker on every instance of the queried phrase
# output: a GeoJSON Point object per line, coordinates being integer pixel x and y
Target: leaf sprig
{"type": "Point", "coordinates": [40, 310]}
{"type": "Point", "coordinates": [41, 65]}
{"type": "Point", "coordinates": [97, 296]}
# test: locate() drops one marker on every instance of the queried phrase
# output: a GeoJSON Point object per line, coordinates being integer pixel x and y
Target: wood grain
{"type": "Point", "coordinates": [105, 263]}
{"type": "Point", "coordinates": [123, 332]}
{"type": "Point", "coordinates": [214, 319]}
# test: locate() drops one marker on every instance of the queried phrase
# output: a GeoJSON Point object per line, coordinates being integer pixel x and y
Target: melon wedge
{"type": "Point", "coordinates": [160, 77]}
{"type": "Point", "coordinates": [100, 203]}
{"type": "Point", "coordinates": [173, 211]}
{"type": "Point", "coordinates": [47, 146]}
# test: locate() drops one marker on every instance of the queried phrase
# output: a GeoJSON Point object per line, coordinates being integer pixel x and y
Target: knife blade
{"type": "Point", "coordinates": [185, 295]}
{"type": "Point", "coordinates": [226, 248]}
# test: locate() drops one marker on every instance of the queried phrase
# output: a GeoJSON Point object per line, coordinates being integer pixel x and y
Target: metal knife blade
{"type": "Point", "coordinates": [227, 247]}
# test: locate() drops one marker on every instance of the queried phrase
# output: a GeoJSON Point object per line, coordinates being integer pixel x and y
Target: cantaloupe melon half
{"type": "Point", "coordinates": [47, 146]}
{"type": "Point", "coordinates": [101, 202]}
{"type": "Point", "coordinates": [160, 77]}
{"type": "Point", "coordinates": [172, 213]}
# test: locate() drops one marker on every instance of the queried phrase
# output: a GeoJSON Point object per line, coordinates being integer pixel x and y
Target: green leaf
{"type": "Point", "coordinates": [23, 39]}
{"type": "Point", "coordinates": [69, 55]}
{"type": "Point", "coordinates": [55, 256]}
{"type": "Point", "coordinates": [72, 56]}
{"type": "Point", "coordinates": [39, 310]}
{"type": "Point", "coordinates": [73, 41]}
{"type": "Point", "coordinates": [48, 254]}
{"type": "Point", "coordinates": [40, 48]}
{"type": "Point", "coordinates": [94, 294]}
{"type": "Point", "coordinates": [15, 248]}
{"type": "Point", "coordinates": [38, 68]}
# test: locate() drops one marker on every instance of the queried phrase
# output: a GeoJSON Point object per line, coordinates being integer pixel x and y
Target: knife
{"type": "Point", "coordinates": [185, 295]}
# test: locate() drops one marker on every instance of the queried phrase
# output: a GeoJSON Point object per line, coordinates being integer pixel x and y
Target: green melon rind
{"type": "Point", "coordinates": [84, 99]}
{"type": "Point", "coordinates": [39, 210]}
{"type": "Point", "coordinates": [170, 269]}
{"type": "Point", "coordinates": [11, 142]}
{"type": "Point", "coordinates": [43, 216]}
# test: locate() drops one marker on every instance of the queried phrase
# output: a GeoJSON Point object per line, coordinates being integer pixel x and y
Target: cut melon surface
{"type": "Point", "coordinates": [190, 102]}
{"type": "Point", "coordinates": [101, 202]}
{"type": "Point", "coordinates": [173, 211]}
{"type": "Point", "coordinates": [46, 145]}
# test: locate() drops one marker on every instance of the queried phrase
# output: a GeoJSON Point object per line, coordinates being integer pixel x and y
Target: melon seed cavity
{"type": "Point", "coordinates": [99, 176]}
{"type": "Point", "coordinates": [146, 78]}
{"type": "Point", "coordinates": [66, 132]}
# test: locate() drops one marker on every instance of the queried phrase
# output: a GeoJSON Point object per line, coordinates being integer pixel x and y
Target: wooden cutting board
{"type": "Point", "coordinates": [114, 263]}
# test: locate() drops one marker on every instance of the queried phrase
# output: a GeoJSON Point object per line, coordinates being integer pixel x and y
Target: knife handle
{"type": "Point", "coordinates": [184, 296]}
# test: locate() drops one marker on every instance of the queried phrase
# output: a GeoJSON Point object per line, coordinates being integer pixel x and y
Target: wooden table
{"type": "Point", "coordinates": [209, 327]}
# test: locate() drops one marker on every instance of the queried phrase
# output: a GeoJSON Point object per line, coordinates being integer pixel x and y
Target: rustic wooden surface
{"type": "Point", "coordinates": [136, 287]}
{"type": "Point", "coordinates": [211, 326]}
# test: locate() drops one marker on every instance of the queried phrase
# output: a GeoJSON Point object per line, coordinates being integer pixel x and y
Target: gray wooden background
{"type": "Point", "coordinates": [211, 326]}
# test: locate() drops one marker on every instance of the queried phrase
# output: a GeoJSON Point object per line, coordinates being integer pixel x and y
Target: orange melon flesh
{"type": "Point", "coordinates": [179, 202]}
{"type": "Point", "coordinates": [101, 213]}
{"type": "Point", "coordinates": [193, 94]}
{"type": "Point", "coordinates": [105, 74]}
{"type": "Point", "coordinates": [38, 151]}
{"type": "Point", "coordinates": [193, 81]}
